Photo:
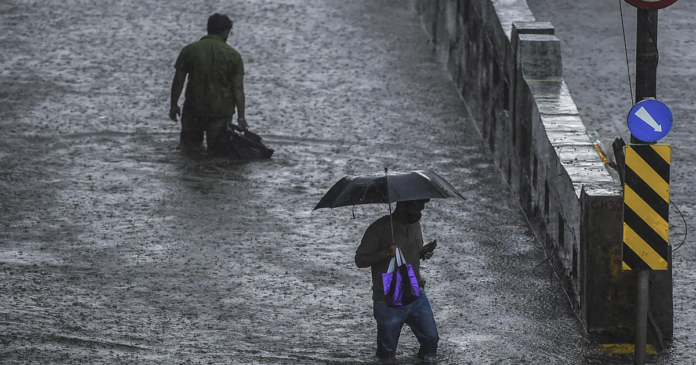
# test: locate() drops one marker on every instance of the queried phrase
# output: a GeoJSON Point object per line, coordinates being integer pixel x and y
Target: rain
{"type": "Point", "coordinates": [118, 248]}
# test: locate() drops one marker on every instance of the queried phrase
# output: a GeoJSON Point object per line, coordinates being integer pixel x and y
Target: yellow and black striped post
{"type": "Point", "coordinates": [646, 207]}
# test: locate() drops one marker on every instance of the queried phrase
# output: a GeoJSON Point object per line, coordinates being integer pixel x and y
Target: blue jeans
{"type": "Point", "coordinates": [417, 315]}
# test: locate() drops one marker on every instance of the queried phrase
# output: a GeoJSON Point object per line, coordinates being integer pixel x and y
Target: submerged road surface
{"type": "Point", "coordinates": [115, 248]}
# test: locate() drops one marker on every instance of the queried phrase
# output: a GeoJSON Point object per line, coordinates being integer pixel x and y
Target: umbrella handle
{"type": "Point", "coordinates": [391, 220]}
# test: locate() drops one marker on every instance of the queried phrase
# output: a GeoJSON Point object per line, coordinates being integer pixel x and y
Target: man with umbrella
{"type": "Point", "coordinates": [375, 251]}
{"type": "Point", "coordinates": [400, 229]}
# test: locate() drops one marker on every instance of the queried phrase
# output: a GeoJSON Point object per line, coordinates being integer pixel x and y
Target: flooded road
{"type": "Point", "coordinates": [116, 248]}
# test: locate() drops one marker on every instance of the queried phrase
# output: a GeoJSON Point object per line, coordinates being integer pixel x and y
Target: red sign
{"type": "Point", "coordinates": [651, 4]}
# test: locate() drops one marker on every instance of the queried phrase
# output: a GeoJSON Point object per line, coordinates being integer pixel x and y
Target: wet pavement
{"type": "Point", "coordinates": [117, 248]}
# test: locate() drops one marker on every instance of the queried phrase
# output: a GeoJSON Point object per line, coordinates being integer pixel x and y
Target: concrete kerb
{"type": "Point", "coordinates": [509, 71]}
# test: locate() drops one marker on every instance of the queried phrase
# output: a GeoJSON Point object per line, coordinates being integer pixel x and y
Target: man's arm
{"type": "Point", "coordinates": [239, 100]}
{"type": "Point", "coordinates": [177, 87]}
{"type": "Point", "coordinates": [369, 259]}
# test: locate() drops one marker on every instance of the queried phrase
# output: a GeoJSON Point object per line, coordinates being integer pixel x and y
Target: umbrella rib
{"type": "Point", "coordinates": [365, 193]}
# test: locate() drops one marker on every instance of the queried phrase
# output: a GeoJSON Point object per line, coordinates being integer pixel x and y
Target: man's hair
{"type": "Point", "coordinates": [218, 23]}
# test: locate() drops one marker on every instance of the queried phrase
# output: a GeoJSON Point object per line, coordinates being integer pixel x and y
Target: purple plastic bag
{"type": "Point", "coordinates": [411, 289]}
{"type": "Point", "coordinates": [400, 283]}
{"type": "Point", "coordinates": [392, 282]}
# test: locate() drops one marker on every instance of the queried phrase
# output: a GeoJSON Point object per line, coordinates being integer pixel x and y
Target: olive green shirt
{"type": "Point", "coordinates": [211, 65]}
{"type": "Point", "coordinates": [378, 236]}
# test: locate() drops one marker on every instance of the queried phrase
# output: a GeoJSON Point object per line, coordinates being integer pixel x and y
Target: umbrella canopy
{"type": "Point", "coordinates": [387, 188]}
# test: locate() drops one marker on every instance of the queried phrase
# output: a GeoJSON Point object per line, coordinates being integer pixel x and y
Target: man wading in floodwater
{"type": "Point", "coordinates": [215, 86]}
{"type": "Point", "coordinates": [375, 251]}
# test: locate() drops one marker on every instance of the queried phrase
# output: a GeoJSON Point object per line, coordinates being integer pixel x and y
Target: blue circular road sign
{"type": "Point", "coordinates": [650, 120]}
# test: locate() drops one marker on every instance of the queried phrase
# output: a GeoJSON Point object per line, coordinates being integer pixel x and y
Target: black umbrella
{"type": "Point", "coordinates": [387, 188]}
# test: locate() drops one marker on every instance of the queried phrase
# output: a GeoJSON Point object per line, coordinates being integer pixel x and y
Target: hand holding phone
{"type": "Point", "coordinates": [428, 249]}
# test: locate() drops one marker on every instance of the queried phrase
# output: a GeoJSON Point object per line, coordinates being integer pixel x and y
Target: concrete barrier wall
{"type": "Point", "coordinates": [508, 69]}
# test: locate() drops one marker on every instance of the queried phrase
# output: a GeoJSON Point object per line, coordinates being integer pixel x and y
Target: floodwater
{"type": "Point", "coordinates": [116, 248]}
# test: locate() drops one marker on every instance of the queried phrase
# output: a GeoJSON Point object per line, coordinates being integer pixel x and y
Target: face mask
{"type": "Point", "coordinates": [413, 217]}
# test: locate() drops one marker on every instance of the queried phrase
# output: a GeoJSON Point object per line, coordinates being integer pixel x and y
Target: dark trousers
{"type": "Point", "coordinates": [417, 315]}
{"type": "Point", "coordinates": [194, 126]}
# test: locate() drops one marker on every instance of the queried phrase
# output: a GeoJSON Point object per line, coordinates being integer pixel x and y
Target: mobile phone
{"type": "Point", "coordinates": [428, 248]}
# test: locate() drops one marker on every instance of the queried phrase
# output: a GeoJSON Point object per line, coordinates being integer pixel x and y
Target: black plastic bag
{"type": "Point", "coordinates": [242, 145]}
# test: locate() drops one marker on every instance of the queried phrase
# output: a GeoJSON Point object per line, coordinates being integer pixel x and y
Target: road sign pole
{"type": "Point", "coordinates": [646, 57]}
{"type": "Point", "coordinates": [646, 87]}
{"type": "Point", "coordinates": [646, 173]}
{"type": "Point", "coordinates": [642, 287]}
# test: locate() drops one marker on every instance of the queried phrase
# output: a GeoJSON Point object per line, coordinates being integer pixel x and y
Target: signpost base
{"type": "Point", "coordinates": [642, 291]}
